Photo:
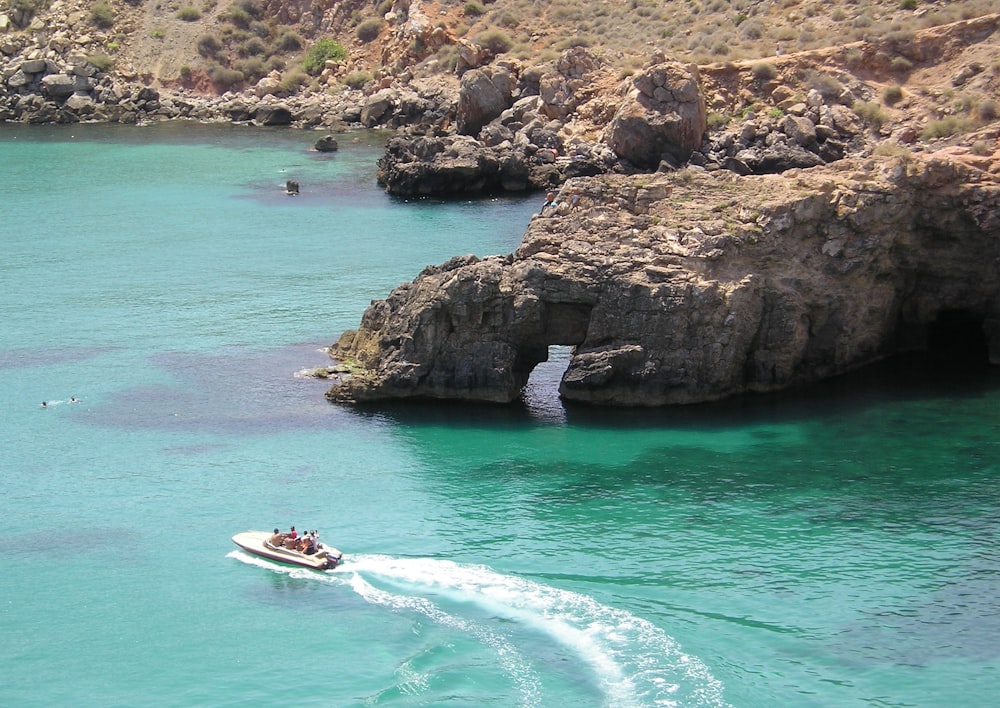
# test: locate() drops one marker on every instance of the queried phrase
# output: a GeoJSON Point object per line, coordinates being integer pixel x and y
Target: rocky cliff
{"type": "Point", "coordinates": [695, 285]}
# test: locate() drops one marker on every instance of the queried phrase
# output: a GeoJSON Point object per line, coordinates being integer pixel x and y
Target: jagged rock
{"type": "Point", "coordinates": [662, 117]}
{"type": "Point", "coordinates": [451, 165]}
{"type": "Point", "coordinates": [777, 158]}
{"type": "Point", "coordinates": [695, 286]}
{"type": "Point", "coordinates": [327, 143]}
{"type": "Point", "coordinates": [563, 90]}
{"type": "Point", "coordinates": [376, 106]}
{"type": "Point", "coordinates": [81, 104]}
{"type": "Point", "coordinates": [484, 94]}
{"type": "Point", "coordinates": [58, 85]}
{"type": "Point", "coordinates": [34, 66]}
{"type": "Point", "coordinates": [273, 115]}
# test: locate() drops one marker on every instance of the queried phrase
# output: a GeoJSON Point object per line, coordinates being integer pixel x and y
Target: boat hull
{"type": "Point", "coordinates": [255, 542]}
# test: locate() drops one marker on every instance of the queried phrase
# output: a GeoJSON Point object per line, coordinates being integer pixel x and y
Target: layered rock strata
{"type": "Point", "coordinates": [693, 286]}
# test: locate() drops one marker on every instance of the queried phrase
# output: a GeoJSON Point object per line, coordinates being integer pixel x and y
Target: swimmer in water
{"type": "Point", "coordinates": [44, 405]}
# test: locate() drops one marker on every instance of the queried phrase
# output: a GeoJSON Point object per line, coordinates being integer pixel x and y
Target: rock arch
{"type": "Point", "coordinates": [687, 287]}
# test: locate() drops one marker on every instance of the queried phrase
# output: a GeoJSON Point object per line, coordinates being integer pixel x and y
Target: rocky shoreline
{"type": "Point", "coordinates": [718, 230]}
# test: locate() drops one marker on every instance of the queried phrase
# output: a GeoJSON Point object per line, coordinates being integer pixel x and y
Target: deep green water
{"type": "Point", "coordinates": [835, 547]}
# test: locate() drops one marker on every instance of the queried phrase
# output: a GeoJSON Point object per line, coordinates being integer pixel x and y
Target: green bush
{"type": "Point", "coordinates": [189, 14]}
{"type": "Point", "coordinates": [321, 52]}
{"type": "Point", "coordinates": [716, 120]}
{"type": "Point", "coordinates": [101, 14]}
{"type": "Point", "coordinates": [474, 9]}
{"type": "Point", "coordinates": [369, 29]}
{"type": "Point", "coordinates": [157, 33]}
{"type": "Point", "coordinates": [185, 72]}
{"type": "Point", "coordinates": [254, 8]}
{"type": "Point", "coordinates": [827, 86]}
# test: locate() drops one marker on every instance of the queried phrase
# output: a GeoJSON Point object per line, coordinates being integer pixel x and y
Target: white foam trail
{"type": "Point", "coordinates": [634, 661]}
{"type": "Point", "coordinates": [513, 663]}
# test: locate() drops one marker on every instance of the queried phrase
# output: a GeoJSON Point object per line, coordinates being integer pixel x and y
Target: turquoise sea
{"type": "Point", "coordinates": [832, 547]}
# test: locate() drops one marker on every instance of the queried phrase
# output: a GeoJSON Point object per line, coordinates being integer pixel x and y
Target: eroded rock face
{"type": "Point", "coordinates": [662, 117]}
{"type": "Point", "coordinates": [694, 286]}
{"type": "Point", "coordinates": [484, 94]}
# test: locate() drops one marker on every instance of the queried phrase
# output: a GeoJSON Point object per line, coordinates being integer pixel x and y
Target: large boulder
{"type": "Point", "coordinates": [58, 85]}
{"type": "Point", "coordinates": [663, 117]}
{"type": "Point", "coordinates": [272, 115]}
{"type": "Point", "coordinates": [483, 95]}
{"type": "Point", "coordinates": [450, 165]}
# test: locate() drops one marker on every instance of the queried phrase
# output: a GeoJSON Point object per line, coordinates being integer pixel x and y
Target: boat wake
{"type": "Point", "coordinates": [632, 661]}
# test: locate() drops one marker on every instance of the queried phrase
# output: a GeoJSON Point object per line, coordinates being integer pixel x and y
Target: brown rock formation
{"type": "Point", "coordinates": [662, 117]}
{"type": "Point", "coordinates": [694, 286]}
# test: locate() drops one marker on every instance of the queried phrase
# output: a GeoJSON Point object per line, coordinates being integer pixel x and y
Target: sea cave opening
{"type": "Point", "coordinates": [956, 340]}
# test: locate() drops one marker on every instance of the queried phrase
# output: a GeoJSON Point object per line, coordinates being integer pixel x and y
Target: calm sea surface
{"type": "Point", "coordinates": [838, 547]}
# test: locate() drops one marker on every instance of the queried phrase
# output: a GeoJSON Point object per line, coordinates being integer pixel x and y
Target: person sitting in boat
{"type": "Point", "coordinates": [309, 547]}
{"type": "Point", "coordinates": [303, 542]}
{"type": "Point", "coordinates": [278, 539]}
{"type": "Point", "coordinates": [291, 541]}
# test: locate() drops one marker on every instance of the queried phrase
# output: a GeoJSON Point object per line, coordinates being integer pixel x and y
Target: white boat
{"type": "Point", "coordinates": [257, 543]}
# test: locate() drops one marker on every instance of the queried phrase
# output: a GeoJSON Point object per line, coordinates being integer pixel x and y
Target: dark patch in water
{"type": "Point", "coordinates": [49, 356]}
{"type": "Point", "coordinates": [241, 390]}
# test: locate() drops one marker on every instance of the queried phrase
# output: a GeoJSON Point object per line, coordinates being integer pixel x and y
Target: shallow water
{"type": "Point", "coordinates": [829, 547]}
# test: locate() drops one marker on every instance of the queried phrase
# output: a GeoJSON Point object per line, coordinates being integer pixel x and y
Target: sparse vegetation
{"type": "Point", "coordinates": [946, 127]}
{"type": "Point", "coordinates": [292, 80]}
{"type": "Point", "coordinates": [369, 29]}
{"type": "Point", "coordinates": [101, 14]}
{"type": "Point", "coordinates": [827, 86]}
{"type": "Point", "coordinates": [987, 110]}
{"type": "Point", "coordinates": [208, 45]}
{"type": "Point", "coordinates": [357, 79]}
{"type": "Point", "coordinates": [189, 14]}
{"type": "Point", "coordinates": [224, 78]}
{"type": "Point", "coordinates": [101, 62]}
{"type": "Point", "coordinates": [981, 148]}
{"type": "Point", "coordinates": [764, 71]}
{"type": "Point", "coordinates": [892, 95]}
{"type": "Point", "coordinates": [496, 41]}
{"type": "Point", "coordinates": [871, 113]}
{"type": "Point", "coordinates": [289, 41]}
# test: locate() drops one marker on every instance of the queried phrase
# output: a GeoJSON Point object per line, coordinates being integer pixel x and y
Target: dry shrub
{"type": "Point", "coordinates": [892, 95]}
